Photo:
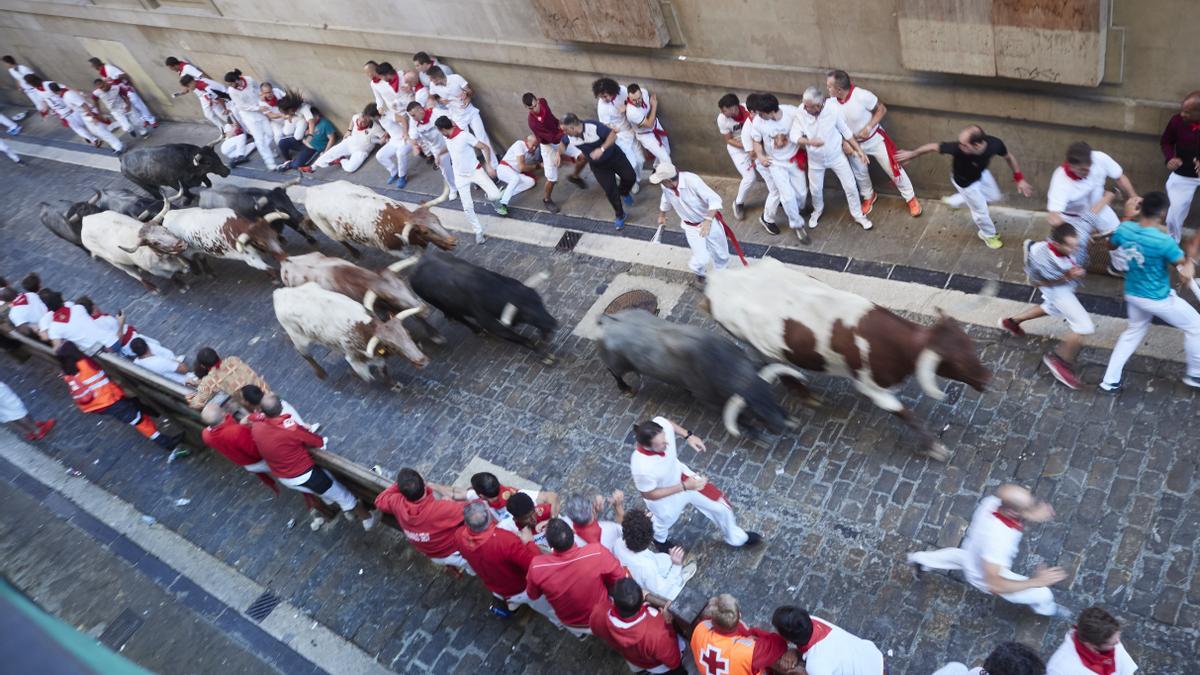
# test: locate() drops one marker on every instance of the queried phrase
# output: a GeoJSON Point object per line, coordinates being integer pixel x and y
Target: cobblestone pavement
{"type": "Point", "coordinates": [840, 501]}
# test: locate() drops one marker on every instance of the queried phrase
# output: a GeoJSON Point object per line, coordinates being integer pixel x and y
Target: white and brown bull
{"type": "Point", "coordinates": [115, 237]}
{"type": "Point", "coordinates": [221, 233]}
{"type": "Point", "coordinates": [353, 214]}
{"type": "Point", "coordinates": [793, 318]}
{"type": "Point", "coordinates": [382, 293]}
{"type": "Point", "coordinates": [310, 314]}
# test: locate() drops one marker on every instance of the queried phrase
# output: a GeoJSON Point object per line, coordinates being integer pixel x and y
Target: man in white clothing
{"type": "Point", "coordinates": [120, 79]}
{"type": "Point", "coordinates": [250, 110]}
{"type": "Point", "coordinates": [423, 62]}
{"type": "Point", "coordinates": [237, 146]}
{"type": "Point", "coordinates": [119, 108]}
{"type": "Point", "coordinates": [641, 109]}
{"type": "Point", "coordinates": [1008, 658]}
{"type": "Point", "coordinates": [92, 119]}
{"type": "Point", "coordinates": [771, 206]}
{"type": "Point", "coordinates": [990, 546]}
{"type": "Point", "coordinates": [427, 138]}
{"type": "Point", "coordinates": [55, 104]}
{"type": "Point", "coordinates": [825, 648]}
{"type": "Point", "coordinates": [18, 71]}
{"type": "Point", "coordinates": [27, 309]}
{"type": "Point", "coordinates": [610, 110]}
{"type": "Point", "coordinates": [584, 514]}
{"type": "Point", "coordinates": [821, 129]}
{"type": "Point", "coordinates": [730, 122]}
{"type": "Point", "coordinates": [213, 97]}
{"type": "Point", "coordinates": [361, 138]}
{"type": "Point", "coordinates": [1077, 196]}
{"type": "Point", "coordinates": [469, 171]}
{"type": "Point", "coordinates": [520, 160]}
{"type": "Point", "coordinates": [663, 574]}
{"type": "Point", "coordinates": [1092, 646]}
{"type": "Point", "coordinates": [863, 111]}
{"type": "Point", "coordinates": [455, 93]}
{"type": "Point", "coordinates": [668, 486]}
{"type": "Point", "coordinates": [775, 149]}
{"type": "Point", "coordinates": [697, 206]}
{"type": "Point", "coordinates": [391, 100]}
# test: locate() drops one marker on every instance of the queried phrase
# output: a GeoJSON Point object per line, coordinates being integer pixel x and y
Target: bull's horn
{"type": "Point", "coordinates": [240, 244]}
{"type": "Point", "coordinates": [927, 365]}
{"type": "Point", "coordinates": [175, 197]}
{"type": "Point", "coordinates": [508, 314]}
{"type": "Point", "coordinates": [261, 202]}
{"type": "Point", "coordinates": [401, 265]}
{"type": "Point", "coordinates": [372, 344]}
{"type": "Point", "coordinates": [163, 213]}
{"type": "Point", "coordinates": [274, 216]}
{"type": "Point", "coordinates": [773, 371]}
{"type": "Point", "coordinates": [404, 233]}
{"type": "Point", "coordinates": [290, 183]}
{"type": "Point", "coordinates": [130, 250]}
{"type": "Point", "coordinates": [72, 218]}
{"type": "Point", "coordinates": [440, 198]}
{"type": "Point", "coordinates": [369, 299]}
{"type": "Point", "coordinates": [94, 198]}
{"type": "Point", "coordinates": [144, 215]}
{"type": "Point", "coordinates": [537, 279]}
{"type": "Point", "coordinates": [411, 311]}
{"type": "Point", "coordinates": [733, 408]}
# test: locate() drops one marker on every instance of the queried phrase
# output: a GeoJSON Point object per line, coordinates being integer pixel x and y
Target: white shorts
{"type": "Point", "coordinates": [11, 408]}
{"type": "Point", "coordinates": [1060, 301]}
{"type": "Point", "coordinates": [336, 494]}
{"type": "Point", "coordinates": [549, 152]}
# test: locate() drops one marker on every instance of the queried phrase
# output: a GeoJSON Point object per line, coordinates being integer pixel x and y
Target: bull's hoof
{"type": "Point", "coordinates": [938, 452]}
{"type": "Point", "coordinates": [629, 393]}
{"type": "Point", "coordinates": [792, 423]}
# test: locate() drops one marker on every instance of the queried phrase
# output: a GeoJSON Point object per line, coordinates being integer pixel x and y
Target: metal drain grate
{"type": "Point", "coordinates": [117, 633]}
{"type": "Point", "coordinates": [262, 606]}
{"type": "Point", "coordinates": [568, 241]}
{"type": "Point", "coordinates": [635, 299]}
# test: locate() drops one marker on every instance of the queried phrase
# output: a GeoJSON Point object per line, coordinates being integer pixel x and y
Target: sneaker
{"type": "Point", "coordinates": [768, 226]}
{"type": "Point", "coordinates": [372, 520]}
{"type": "Point", "coordinates": [628, 199]}
{"type": "Point", "coordinates": [401, 181]}
{"type": "Point", "coordinates": [954, 201]}
{"type": "Point", "coordinates": [239, 161]}
{"type": "Point", "coordinates": [1062, 612]}
{"type": "Point", "coordinates": [802, 235]}
{"type": "Point", "coordinates": [577, 182]}
{"type": "Point", "coordinates": [869, 203]}
{"type": "Point", "coordinates": [452, 196]}
{"type": "Point", "coordinates": [664, 546]}
{"type": "Point", "coordinates": [1110, 388]}
{"type": "Point", "coordinates": [812, 221]}
{"type": "Point", "coordinates": [15, 130]}
{"type": "Point", "coordinates": [306, 169]}
{"type": "Point", "coordinates": [1012, 327]}
{"type": "Point", "coordinates": [753, 539]}
{"type": "Point", "coordinates": [1193, 382]}
{"type": "Point", "coordinates": [689, 570]}
{"type": "Point", "coordinates": [1061, 370]}
{"type": "Point", "coordinates": [178, 453]}
{"type": "Point", "coordinates": [636, 188]}
{"type": "Point", "coordinates": [550, 206]}
{"type": "Point", "coordinates": [390, 180]}
{"type": "Point", "coordinates": [479, 238]}
{"type": "Point", "coordinates": [318, 521]}
{"type": "Point", "coordinates": [739, 211]}
{"type": "Point", "coordinates": [501, 209]}
{"type": "Point", "coordinates": [918, 571]}
{"type": "Point", "coordinates": [43, 429]}
{"type": "Point", "coordinates": [154, 125]}
{"type": "Point", "coordinates": [914, 208]}
{"type": "Point", "coordinates": [866, 224]}
{"type": "Point", "coordinates": [619, 223]}
{"type": "Point", "coordinates": [991, 242]}
{"type": "Point", "coordinates": [1114, 272]}
{"type": "Point", "coordinates": [499, 608]}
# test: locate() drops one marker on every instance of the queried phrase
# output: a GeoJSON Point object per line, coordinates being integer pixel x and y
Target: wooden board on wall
{"type": "Point", "coordinates": [632, 23]}
{"type": "Point", "coordinates": [947, 36]}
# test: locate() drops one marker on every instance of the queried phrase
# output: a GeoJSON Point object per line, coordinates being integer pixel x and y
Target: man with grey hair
{"type": "Point", "coordinates": [584, 515]}
{"type": "Point", "coordinates": [500, 559]}
{"type": "Point", "coordinates": [821, 130]}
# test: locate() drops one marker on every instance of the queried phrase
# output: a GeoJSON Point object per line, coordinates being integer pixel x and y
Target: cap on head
{"type": "Point", "coordinates": [663, 171]}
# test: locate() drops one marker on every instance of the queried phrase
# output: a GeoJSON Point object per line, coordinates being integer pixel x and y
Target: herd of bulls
{"type": "Point", "coordinates": [793, 320]}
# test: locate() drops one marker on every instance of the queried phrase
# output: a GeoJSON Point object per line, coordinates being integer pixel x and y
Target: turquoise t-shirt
{"type": "Point", "coordinates": [320, 136]}
{"type": "Point", "coordinates": [1150, 251]}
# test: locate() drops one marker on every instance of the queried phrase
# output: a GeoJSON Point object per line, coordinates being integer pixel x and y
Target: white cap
{"type": "Point", "coordinates": [662, 172]}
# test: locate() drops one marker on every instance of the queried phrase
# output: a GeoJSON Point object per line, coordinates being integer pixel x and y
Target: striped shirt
{"type": "Point", "coordinates": [1044, 266]}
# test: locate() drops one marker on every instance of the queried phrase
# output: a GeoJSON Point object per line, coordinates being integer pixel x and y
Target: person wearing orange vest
{"type": "Point", "coordinates": [94, 392]}
{"type": "Point", "coordinates": [723, 645]}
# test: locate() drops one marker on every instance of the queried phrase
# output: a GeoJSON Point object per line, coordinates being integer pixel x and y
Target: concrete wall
{"type": "Point", "coordinates": [782, 46]}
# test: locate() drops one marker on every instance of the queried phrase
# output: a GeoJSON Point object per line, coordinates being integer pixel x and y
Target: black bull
{"type": "Point", "coordinates": [181, 166]}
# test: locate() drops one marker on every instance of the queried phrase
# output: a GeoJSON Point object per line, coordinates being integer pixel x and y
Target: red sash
{"type": "Point", "coordinates": [737, 246]}
{"type": "Point", "coordinates": [711, 491]}
{"type": "Point", "coordinates": [891, 150]}
{"type": "Point", "coordinates": [800, 159]}
{"type": "Point", "coordinates": [659, 133]}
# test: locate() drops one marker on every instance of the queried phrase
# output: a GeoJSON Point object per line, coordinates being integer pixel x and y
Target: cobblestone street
{"type": "Point", "coordinates": [840, 500]}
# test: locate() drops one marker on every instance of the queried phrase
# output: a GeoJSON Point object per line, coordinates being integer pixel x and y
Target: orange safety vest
{"type": "Point", "coordinates": [91, 388]}
{"type": "Point", "coordinates": [717, 654]}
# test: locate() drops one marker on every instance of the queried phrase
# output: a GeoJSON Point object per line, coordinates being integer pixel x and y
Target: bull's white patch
{"type": "Point", "coordinates": [347, 212]}
{"type": "Point", "coordinates": [103, 235]}
{"type": "Point", "coordinates": [204, 232]}
{"type": "Point", "coordinates": [310, 314]}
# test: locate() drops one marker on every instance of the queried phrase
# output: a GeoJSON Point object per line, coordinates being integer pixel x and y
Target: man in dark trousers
{"type": "Point", "coordinates": [609, 165]}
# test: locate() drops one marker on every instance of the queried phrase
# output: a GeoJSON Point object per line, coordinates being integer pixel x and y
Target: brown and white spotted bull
{"type": "Point", "coordinates": [383, 293]}
{"type": "Point", "coordinates": [791, 317]}
{"type": "Point", "coordinates": [221, 233]}
{"type": "Point", "coordinates": [353, 214]}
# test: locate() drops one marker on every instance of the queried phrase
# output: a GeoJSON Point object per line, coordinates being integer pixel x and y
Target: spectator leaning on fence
{"type": "Point", "coordinates": [226, 375]}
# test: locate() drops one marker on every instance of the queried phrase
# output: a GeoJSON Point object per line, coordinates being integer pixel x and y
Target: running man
{"type": "Point", "coordinates": [1077, 196]}
{"type": "Point", "coordinates": [468, 171]}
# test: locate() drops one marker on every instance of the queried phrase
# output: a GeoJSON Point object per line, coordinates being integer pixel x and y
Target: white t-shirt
{"type": "Point", "coordinates": [26, 308]}
{"type": "Point", "coordinates": [1065, 660]}
{"type": "Point", "coordinates": [989, 540]}
{"type": "Point", "coordinates": [18, 73]}
{"type": "Point", "coordinates": [693, 201]}
{"type": "Point", "coordinates": [519, 149]}
{"type": "Point", "coordinates": [858, 109]}
{"type": "Point", "coordinates": [840, 653]}
{"type": "Point", "coordinates": [452, 92]}
{"type": "Point", "coordinates": [462, 152]}
{"type": "Point", "coordinates": [53, 100]}
{"type": "Point", "coordinates": [72, 323]}
{"type": "Point", "coordinates": [424, 77]}
{"type": "Point", "coordinates": [636, 113]}
{"type": "Point", "coordinates": [956, 668]}
{"type": "Point", "coordinates": [653, 571]}
{"type": "Point", "coordinates": [651, 472]}
{"type": "Point", "coordinates": [248, 99]}
{"type": "Point", "coordinates": [729, 126]}
{"type": "Point", "coordinates": [829, 126]}
{"type": "Point", "coordinates": [1078, 196]}
{"type": "Point", "coordinates": [77, 102]}
{"type": "Point", "coordinates": [766, 130]}
{"type": "Point", "coordinates": [111, 99]}
{"type": "Point", "coordinates": [611, 113]}
{"type": "Point", "coordinates": [431, 140]}
{"type": "Point", "coordinates": [163, 366]}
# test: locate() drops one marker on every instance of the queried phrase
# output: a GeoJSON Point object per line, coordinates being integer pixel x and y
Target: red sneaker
{"type": "Point", "coordinates": [914, 207]}
{"type": "Point", "coordinates": [337, 162]}
{"type": "Point", "coordinates": [43, 429]}
{"type": "Point", "coordinates": [869, 204]}
{"type": "Point", "coordinates": [1012, 327]}
{"type": "Point", "coordinates": [1061, 370]}
{"type": "Point", "coordinates": [306, 169]}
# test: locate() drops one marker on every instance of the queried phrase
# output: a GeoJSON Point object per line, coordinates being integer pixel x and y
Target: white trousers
{"type": "Point", "coordinates": [745, 168]}
{"type": "Point", "coordinates": [455, 560]}
{"type": "Point", "coordinates": [1040, 600]}
{"type": "Point", "coordinates": [349, 150]}
{"type": "Point", "coordinates": [792, 185]}
{"type": "Point", "coordinates": [551, 161]}
{"type": "Point", "coordinates": [1180, 190]}
{"type": "Point", "coordinates": [33, 97]}
{"type": "Point", "coordinates": [666, 511]}
{"type": "Point", "coordinates": [845, 175]}
{"type": "Point", "coordinates": [876, 149]}
{"type": "Point", "coordinates": [129, 120]}
{"type": "Point", "coordinates": [714, 248]}
{"type": "Point", "coordinates": [541, 605]}
{"type": "Point", "coordinates": [11, 407]}
{"type": "Point", "coordinates": [237, 147]}
{"type": "Point", "coordinates": [462, 184]}
{"type": "Point", "coordinates": [472, 121]}
{"type": "Point", "coordinates": [633, 152]}
{"type": "Point", "coordinates": [100, 130]}
{"type": "Point", "coordinates": [259, 126]}
{"type": "Point", "coordinates": [135, 100]}
{"type": "Point", "coordinates": [1061, 301]}
{"type": "Point", "coordinates": [1173, 310]}
{"type": "Point", "coordinates": [771, 207]}
{"type": "Point", "coordinates": [76, 123]}
{"type": "Point", "coordinates": [296, 127]}
{"type": "Point", "coordinates": [218, 115]}
{"type": "Point", "coordinates": [446, 168]}
{"type": "Point", "coordinates": [8, 123]}
{"type": "Point", "coordinates": [1090, 224]}
{"type": "Point", "coordinates": [8, 152]}
{"type": "Point", "coordinates": [661, 151]}
{"type": "Point", "coordinates": [395, 156]}
{"type": "Point", "coordinates": [336, 494]}
{"type": "Point", "coordinates": [514, 181]}
{"type": "Point", "coordinates": [977, 196]}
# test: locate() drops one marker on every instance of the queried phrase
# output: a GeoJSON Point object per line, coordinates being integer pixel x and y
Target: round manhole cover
{"type": "Point", "coordinates": [636, 299]}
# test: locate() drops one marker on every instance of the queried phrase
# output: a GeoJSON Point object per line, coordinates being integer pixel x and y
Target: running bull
{"type": "Point", "coordinates": [177, 165]}
{"type": "Point", "coordinates": [353, 214]}
{"type": "Point", "coordinates": [64, 219]}
{"type": "Point", "coordinates": [789, 316]}
{"type": "Point", "coordinates": [712, 369]}
{"type": "Point", "coordinates": [220, 233]}
{"type": "Point", "coordinates": [257, 203]}
{"type": "Point", "coordinates": [116, 238]}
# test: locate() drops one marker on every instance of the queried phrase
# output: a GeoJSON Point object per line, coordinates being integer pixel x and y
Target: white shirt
{"type": "Point", "coordinates": [452, 91]}
{"type": "Point", "coordinates": [694, 201]}
{"type": "Point", "coordinates": [390, 103]}
{"type": "Point", "coordinates": [989, 540]}
{"type": "Point", "coordinates": [77, 102]}
{"type": "Point", "coordinates": [361, 140]}
{"type": "Point", "coordinates": [18, 73]}
{"type": "Point", "coordinates": [189, 69]}
{"type": "Point", "coordinates": [74, 325]}
{"type": "Point", "coordinates": [858, 109]}
{"type": "Point", "coordinates": [462, 153]}
{"type": "Point", "coordinates": [840, 653]}
{"type": "Point", "coordinates": [54, 101]}
{"type": "Point", "coordinates": [956, 668]}
{"type": "Point", "coordinates": [1065, 660]}
{"type": "Point", "coordinates": [112, 73]}
{"type": "Point", "coordinates": [29, 310]}
{"type": "Point", "coordinates": [726, 125]}
{"type": "Point", "coordinates": [431, 140]}
{"type": "Point", "coordinates": [748, 134]}
{"type": "Point", "coordinates": [1078, 196]}
{"type": "Point", "coordinates": [651, 472]}
{"type": "Point", "coordinates": [424, 77]}
{"type": "Point", "coordinates": [519, 149]}
{"type": "Point", "coordinates": [766, 130]}
{"type": "Point", "coordinates": [610, 112]}
{"type": "Point", "coordinates": [209, 93]}
{"type": "Point", "coordinates": [161, 365]}
{"type": "Point", "coordinates": [653, 571]}
{"type": "Point", "coordinates": [828, 126]}
{"type": "Point", "coordinates": [637, 113]}
{"type": "Point", "coordinates": [111, 99]}
{"type": "Point", "coordinates": [247, 99]}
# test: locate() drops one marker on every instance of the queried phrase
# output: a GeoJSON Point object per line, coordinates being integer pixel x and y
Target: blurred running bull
{"type": "Point", "coordinates": [257, 203]}
{"type": "Point", "coordinates": [350, 213]}
{"type": "Point", "coordinates": [710, 368]}
{"type": "Point", "coordinates": [789, 316]}
{"type": "Point", "coordinates": [117, 238]}
{"type": "Point", "coordinates": [219, 233]}
{"type": "Point", "coordinates": [177, 165]}
{"type": "Point", "coordinates": [64, 219]}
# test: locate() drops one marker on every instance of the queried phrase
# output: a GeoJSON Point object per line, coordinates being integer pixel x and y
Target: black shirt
{"type": "Point", "coordinates": [968, 168]}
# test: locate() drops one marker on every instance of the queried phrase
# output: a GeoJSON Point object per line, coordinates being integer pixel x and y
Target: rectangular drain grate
{"type": "Point", "coordinates": [262, 606]}
{"type": "Point", "coordinates": [568, 241]}
{"type": "Point", "coordinates": [117, 633]}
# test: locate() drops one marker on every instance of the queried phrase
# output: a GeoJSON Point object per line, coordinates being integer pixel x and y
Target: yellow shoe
{"type": "Point", "coordinates": [991, 242]}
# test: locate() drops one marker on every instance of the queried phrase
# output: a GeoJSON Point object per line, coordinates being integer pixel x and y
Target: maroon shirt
{"type": "Point", "coordinates": [544, 124]}
{"type": "Point", "coordinates": [1181, 139]}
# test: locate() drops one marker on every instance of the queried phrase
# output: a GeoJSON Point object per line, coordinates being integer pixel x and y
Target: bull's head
{"type": "Point", "coordinates": [208, 161]}
{"type": "Point", "coordinates": [950, 353]}
{"type": "Point", "coordinates": [158, 238]}
{"type": "Point", "coordinates": [259, 236]}
{"type": "Point", "coordinates": [423, 227]}
{"type": "Point", "coordinates": [390, 337]}
{"type": "Point", "coordinates": [278, 200]}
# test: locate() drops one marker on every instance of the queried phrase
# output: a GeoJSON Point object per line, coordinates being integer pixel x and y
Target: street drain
{"type": "Point", "coordinates": [121, 629]}
{"type": "Point", "coordinates": [635, 299]}
{"type": "Point", "coordinates": [568, 241]}
{"type": "Point", "coordinates": [262, 606]}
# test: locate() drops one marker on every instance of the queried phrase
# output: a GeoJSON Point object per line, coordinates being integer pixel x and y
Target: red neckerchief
{"type": "Point", "coordinates": [21, 300]}
{"type": "Point", "coordinates": [589, 533]}
{"type": "Point", "coordinates": [675, 189]}
{"type": "Point", "coordinates": [640, 104]}
{"type": "Point", "coordinates": [501, 497]}
{"type": "Point", "coordinates": [271, 99]}
{"type": "Point", "coordinates": [742, 114]}
{"type": "Point", "coordinates": [128, 335]}
{"type": "Point", "coordinates": [104, 71]}
{"type": "Point", "coordinates": [375, 79]}
{"type": "Point", "coordinates": [41, 87]}
{"type": "Point", "coordinates": [358, 124]}
{"type": "Point", "coordinates": [200, 84]}
{"type": "Point", "coordinates": [1102, 663]}
{"type": "Point", "coordinates": [395, 83]}
{"type": "Point", "coordinates": [1070, 174]}
{"type": "Point", "coordinates": [455, 131]}
{"type": "Point", "coordinates": [418, 86]}
{"type": "Point", "coordinates": [1009, 522]}
{"type": "Point", "coordinates": [647, 451]}
{"type": "Point", "coordinates": [427, 115]}
{"type": "Point", "coordinates": [62, 314]}
{"type": "Point", "coordinates": [1054, 249]}
{"type": "Point", "coordinates": [819, 632]}
{"type": "Point", "coordinates": [849, 93]}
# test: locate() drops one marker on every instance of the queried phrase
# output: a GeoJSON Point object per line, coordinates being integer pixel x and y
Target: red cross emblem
{"type": "Point", "coordinates": [712, 663]}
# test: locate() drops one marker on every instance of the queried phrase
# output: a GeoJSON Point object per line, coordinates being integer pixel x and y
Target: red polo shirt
{"type": "Point", "coordinates": [646, 639]}
{"type": "Point", "coordinates": [574, 581]}
{"type": "Point", "coordinates": [233, 440]}
{"type": "Point", "coordinates": [499, 558]}
{"type": "Point", "coordinates": [544, 124]}
{"type": "Point", "coordinates": [284, 444]}
{"type": "Point", "coordinates": [429, 523]}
